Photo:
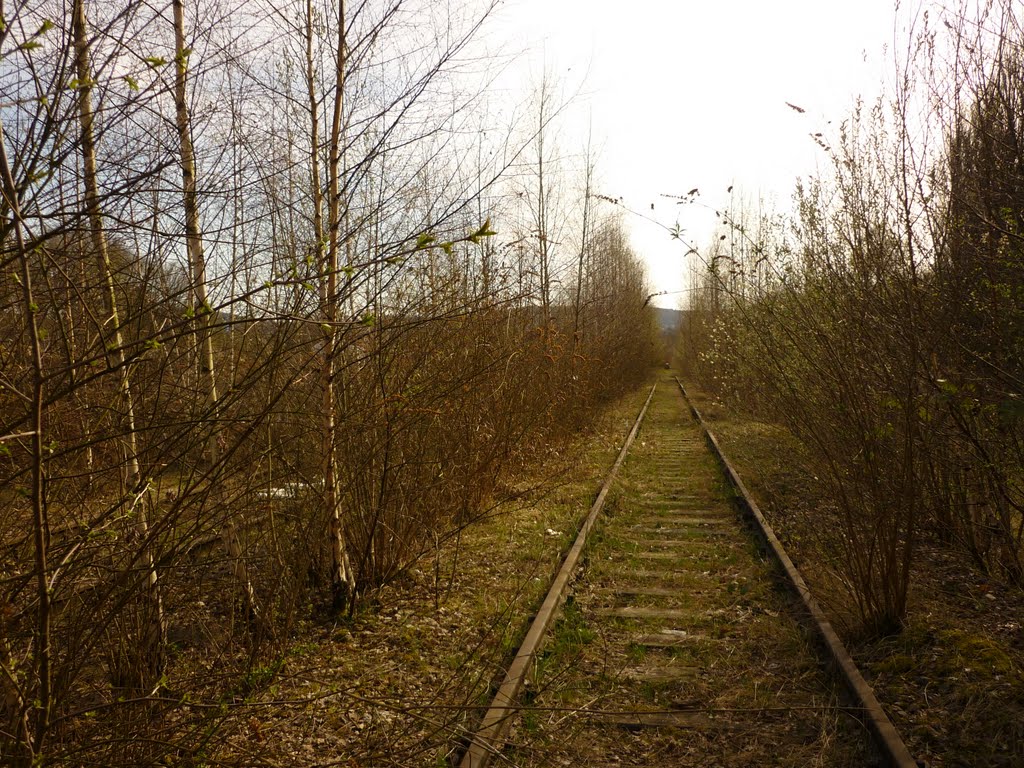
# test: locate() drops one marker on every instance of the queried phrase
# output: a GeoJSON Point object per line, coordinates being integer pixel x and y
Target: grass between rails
{"type": "Point", "coordinates": [953, 680]}
{"type": "Point", "coordinates": [402, 684]}
{"type": "Point", "coordinates": [741, 683]}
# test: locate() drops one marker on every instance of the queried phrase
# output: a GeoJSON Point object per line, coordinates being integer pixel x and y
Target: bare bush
{"type": "Point", "coordinates": [886, 331]}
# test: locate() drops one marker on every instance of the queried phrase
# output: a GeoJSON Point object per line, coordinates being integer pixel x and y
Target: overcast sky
{"type": "Point", "coordinates": [689, 93]}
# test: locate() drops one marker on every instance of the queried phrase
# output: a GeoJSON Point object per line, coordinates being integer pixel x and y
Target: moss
{"type": "Point", "coordinates": [946, 653]}
{"type": "Point", "coordinates": [897, 664]}
{"type": "Point", "coordinates": [978, 653]}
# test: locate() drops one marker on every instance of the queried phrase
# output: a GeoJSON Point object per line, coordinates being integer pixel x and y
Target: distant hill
{"type": "Point", "coordinates": [668, 319]}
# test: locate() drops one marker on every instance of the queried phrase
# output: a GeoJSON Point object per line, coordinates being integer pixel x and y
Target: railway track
{"type": "Point", "coordinates": [679, 633]}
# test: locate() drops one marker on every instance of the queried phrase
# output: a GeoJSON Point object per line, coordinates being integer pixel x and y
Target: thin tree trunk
{"type": "Point", "coordinates": [202, 308]}
{"type": "Point", "coordinates": [193, 236]}
{"type": "Point", "coordinates": [314, 144]}
{"type": "Point", "coordinates": [342, 577]}
{"type": "Point", "coordinates": [236, 233]}
{"type": "Point", "coordinates": [542, 224]}
{"type": "Point", "coordinates": [152, 643]}
{"type": "Point", "coordinates": [33, 738]}
{"type": "Point", "coordinates": [577, 305]}
{"type": "Point", "coordinates": [81, 405]}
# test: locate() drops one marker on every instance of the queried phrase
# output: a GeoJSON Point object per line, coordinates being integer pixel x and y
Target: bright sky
{"type": "Point", "coordinates": [692, 93]}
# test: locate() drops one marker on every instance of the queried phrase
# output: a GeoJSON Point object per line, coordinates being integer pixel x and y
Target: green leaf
{"type": "Point", "coordinates": [132, 82]}
{"type": "Point", "coordinates": [424, 240]}
{"type": "Point", "coordinates": [484, 231]}
{"type": "Point", "coordinates": [155, 61]}
{"type": "Point", "coordinates": [30, 45]}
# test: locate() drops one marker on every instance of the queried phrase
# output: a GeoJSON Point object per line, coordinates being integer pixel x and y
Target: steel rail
{"type": "Point", "coordinates": [887, 737]}
{"type": "Point", "coordinates": [486, 741]}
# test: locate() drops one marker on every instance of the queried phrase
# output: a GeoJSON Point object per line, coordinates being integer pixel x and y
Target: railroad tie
{"type": "Point", "coordinates": [677, 646]}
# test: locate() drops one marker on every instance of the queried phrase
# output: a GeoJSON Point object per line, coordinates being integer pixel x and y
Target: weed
{"type": "Point", "coordinates": [636, 652]}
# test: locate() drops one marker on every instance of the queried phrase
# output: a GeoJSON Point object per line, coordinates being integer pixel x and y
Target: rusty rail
{"type": "Point", "coordinates": [486, 742]}
{"type": "Point", "coordinates": [887, 737]}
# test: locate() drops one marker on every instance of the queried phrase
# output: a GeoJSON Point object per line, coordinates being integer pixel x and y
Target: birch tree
{"type": "Point", "coordinates": [342, 577]}
{"type": "Point", "coordinates": [135, 490]}
{"type": "Point", "coordinates": [201, 308]}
